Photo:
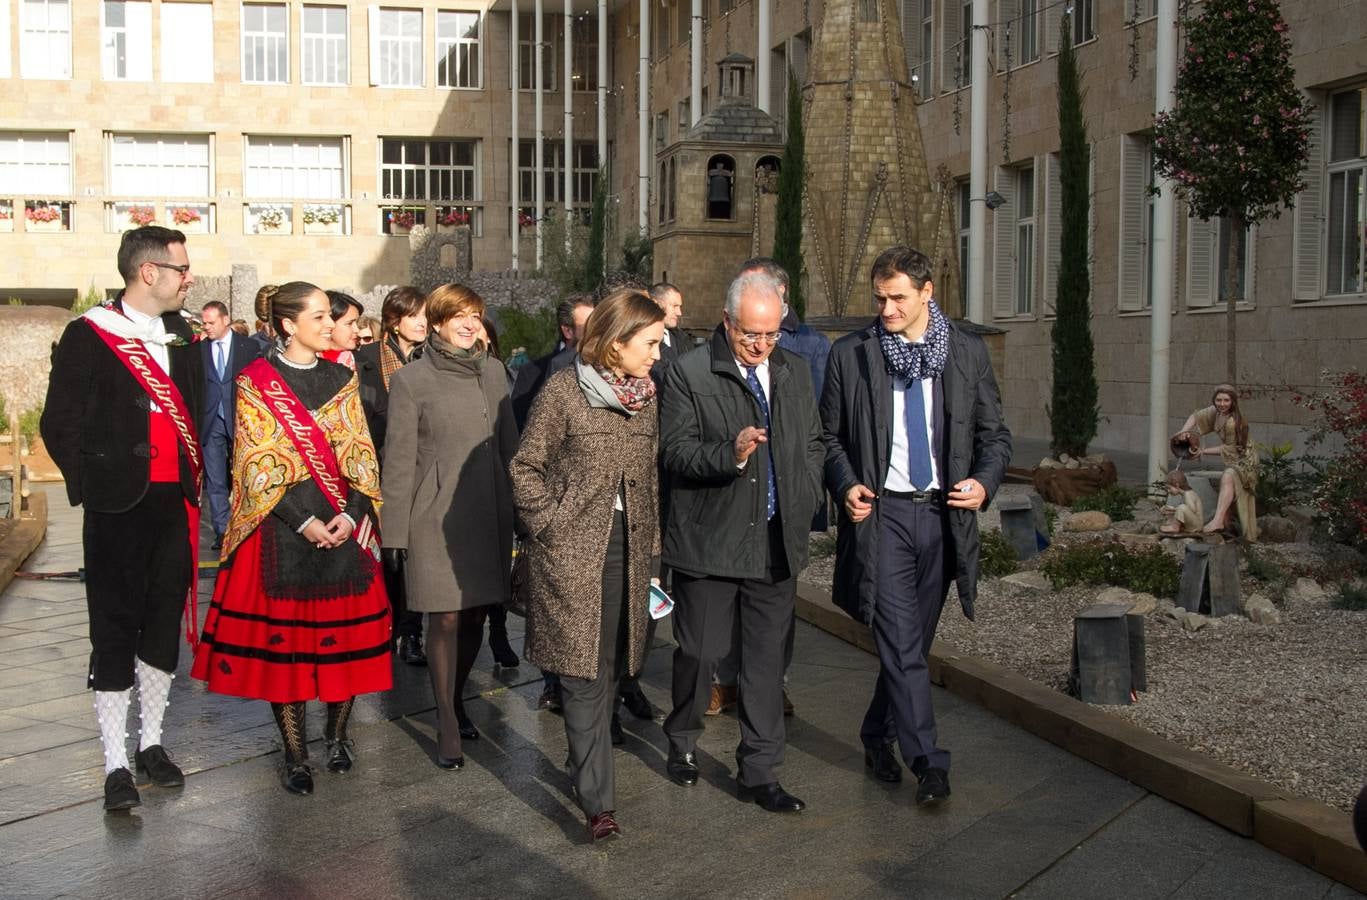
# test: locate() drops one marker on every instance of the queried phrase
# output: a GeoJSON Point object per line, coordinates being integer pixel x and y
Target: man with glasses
{"type": "Point", "coordinates": [121, 420]}
{"type": "Point", "coordinates": [741, 444]}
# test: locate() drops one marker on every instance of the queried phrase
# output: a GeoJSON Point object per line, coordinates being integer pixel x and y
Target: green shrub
{"type": "Point", "coordinates": [1150, 570]}
{"type": "Point", "coordinates": [89, 300]}
{"type": "Point", "coordinates": [1115, 501]}
{"type": "Point", "coordinates": [1352, 595]}
{"type": "Point", "coordinates": [1050, 518]}
{"type": "Point", "coordinates": [535, 332]}
{"type": "Point", "coordinates": [997, 557]}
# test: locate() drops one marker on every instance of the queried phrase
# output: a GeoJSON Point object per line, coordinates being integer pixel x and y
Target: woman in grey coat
{"type": "Point", "coordinates": [448, 514]}
{"type": "Point", "coordinates": [585, 482]}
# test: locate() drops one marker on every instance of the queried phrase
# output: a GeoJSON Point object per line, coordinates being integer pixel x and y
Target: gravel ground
{"type": "Point", "coordinates": [1286, 703]}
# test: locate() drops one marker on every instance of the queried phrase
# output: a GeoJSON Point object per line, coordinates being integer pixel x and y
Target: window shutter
{"type": "Point", "coordinates": [1053, 21]}
{"type": "Point", "coordinates": [1251, 267]}
{"type": "Point", "coordinates": [373, 16]}
{"type": "Point", "coordinates": [1132, 256]}
{"type": "Point", "coordinates": [798, 49]}
{"type": "Point", "coordinates": [139, 30]}
{"type": "Point", "coordinates": [1003, 240]}
{"type": "Point", "coordinates": [1202, 270]}
{"type": "Point", "coordinates": [1309, 244]}
{"type": "Point", "coordinates": [911, 34]}
{"type": "Point", "coordinates": [1053, 230]}
{"type": "Point", "coordinates": [5, 66]}
{"type": "Point", "coordinates": [951, 54]}
{"type": "Point", "coordinates": [1008, 16]}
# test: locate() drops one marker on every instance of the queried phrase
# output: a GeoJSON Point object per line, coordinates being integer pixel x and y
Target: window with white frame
{"type": "Point", "coordinates": [1022, 19]}
{"type": "Point", "coordinates": [1013, 242]}
{"type": "Point", "coordinates": [35, 163]}
{"type": "Point", "coordinates": [159, 165]}
{"type": "Point", "coordinates": [964, 207]}
{"type": "Point", "coordinates": [918, 18]}
{"type": "Point", "coordinates": [526, 48]}
{"type": "Point", "coordinates": [584, 62]}
{"type": "Point", "coordinates": [951, 47]}
{"type": "Point", "coordinates": [126, 40]}
{"type": "Point", "coordinates": [418, 169]}
{"type": "Point", "coordinates": [1135, 271]}
{"type": "Point", "coordinates": [45, 38]}
{"type": "Point", "coordinates": [1024, 290]}
{"type": "Point", "coordinates": [187, 42]}
{"type": "Point", "coordinates": [966, 41]}
{"type": "Point", "coordinates": [1084, 27]}
{"type": "Point", "coordinates": [1139, 10]}
{"type": "Point", "coordinates": [5, 67]}
{"type": "Point", "coordinates": [396, 47]}
{"type": "Point", "coordinates": [661, 130]}
{"type": "Point", "coordinates": [458, 58]}
{"type": "Point", "coordinates": [323, 45]}
{"type": "Point", "coordinates": [552, 170]}
{"type": "Point", "coordinates": [265, 43]}
{"type": "Point", "coordinates": [585, 168]}
{"type": "Point", "coordinates": [1346, 182]}
{"type": "Point", "coordinates": [306, 168]}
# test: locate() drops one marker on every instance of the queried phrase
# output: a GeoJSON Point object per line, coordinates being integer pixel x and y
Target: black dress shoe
{"type": "Point", "coordinates": [466, 727]}
{"type": "Point", "coordinates": [341, 757]}
{"type": "Point", "coordinates": [934, 787]}
{"type": "Point", "coordinates": [771, 797]}
{"type": "Point", "coordinates": [882, 763]}
{"type": "Point", "coordinates": [636, 703]}
{"type": "Point", "coordinates": [550, 699]}
{"type": "Point", "coordinates": [410, 650]}
{"type": "Point", "coordinates": [297, 778]}
{"type": "Point", "coordinates": [501, 649]}
{"type": "Point", "coordinates": [120, 794]}
{"type": "Point", "coordinates": [452, 762]}
{"type": "Point", "coordinates": [683, 768]}
{"type": "Point", "coordinates": [218, 543]}
{"type": "Point", "coordinates": [618, 738]}
{"type": "Point", "coordinates": [156, 762]}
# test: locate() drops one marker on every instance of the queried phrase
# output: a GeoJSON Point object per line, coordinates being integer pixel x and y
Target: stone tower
{"type": "Point", "coordinates": [866, 185]}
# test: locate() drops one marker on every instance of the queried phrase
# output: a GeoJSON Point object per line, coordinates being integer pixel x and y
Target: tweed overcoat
{"type": "Point", "coordinates": [565, 475]}
{"type": "Point", "coordinates": [447, 498]}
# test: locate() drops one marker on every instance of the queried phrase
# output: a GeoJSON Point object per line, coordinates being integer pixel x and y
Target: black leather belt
{"type": "Point", "coordinates": [931, 496]}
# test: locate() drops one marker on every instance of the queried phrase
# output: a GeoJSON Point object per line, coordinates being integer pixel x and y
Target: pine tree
{"type": "Point", "coordinates": [788, 214]}
{"type": "Point", "coordinates": [1234, 143]}
{"type": "Point", "coordinates": [1073, 410]}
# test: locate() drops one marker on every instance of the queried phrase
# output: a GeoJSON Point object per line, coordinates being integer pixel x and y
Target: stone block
{"type": "Point", "coordinates": [1018, 525]}
{"type": "Point", "coordinates": [1101, 670]}
{"type": "Point", "coordinates": [1210, 580]}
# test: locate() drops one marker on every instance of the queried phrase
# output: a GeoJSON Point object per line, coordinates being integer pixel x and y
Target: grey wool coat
{"type": "Point", "coordinates": [565, 476]}
{"type": "Point", "coordinates": [444, 479]}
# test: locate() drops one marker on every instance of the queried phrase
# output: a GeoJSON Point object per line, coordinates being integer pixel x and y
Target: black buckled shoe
{"type": "Point", "coordinates": [120, 794]}
{"type": "Point", "coordinates": [410, 650]}
{"type": "Point", "coordinates": [771, 797]}
{"type": "Point", "coordinates": [638, 705]}
{"type": "Point", "coordinates": [882, 763]}
{"type": "Point", "coordinates": [341, 756]}
{"type": "Point", "coordinates": [156, 762]}
{"type": "Point", "coordinates": [297, 778]}
{"type": "Point", "coordinates": [934, 787]}
{"type": "Point", "coordinates": [683, 768]}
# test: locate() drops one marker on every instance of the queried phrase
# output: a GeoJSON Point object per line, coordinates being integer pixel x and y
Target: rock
{"type": "Point", "coordinates": [1094, 459]}
{"type": "Point", "coordinates": [1142, 604]}
{"type": "Point", "coordinates": [1262, 610]}
{"type": "Point", "coordinates": [1195, 621]}
{"type": "Point", "coordinates": [1090, 520]}
{"type": "Point", "coordinates": [1064, 458]}
{"type": "Point", "coordinates": [1138, 540]}
{"type": "Point", "coordinates": [1072, 464]}
{"type": "Point", "coordinates": [1306, 589]}
{"type": "Point", "coordinates": [1276, 530]}
{"type": "Point", "coordinates": [1178, 546]}
{"type": "Point", "coordinates": [1126, 526]}
{"type": "Point", "coordinates": [1175, 612]}
{"type": "Point", "coordinates": [1114, 595]}
{"type": "Point", "coordinates": [1032, 580]}
{"type": "Point", "coordinates": [1049, 463]}
{"type": "Point", "coordinates": [1161, 605]}
{"type": "Point", "coordinates": [1303, 517]}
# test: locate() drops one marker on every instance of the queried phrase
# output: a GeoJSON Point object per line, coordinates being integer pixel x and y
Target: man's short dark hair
{"type": "Point", "coordinates": [217, 306]}
{"type": "Point", "coordinates": [768, 265]}
{"type": "Point", "coordinates": [564, 311]}
{"type": "Point", "coordinates": [902, 260]}
{"type": "Point", "coordinates": [660, 289]}
{"type": "Point", "coordinates": [146, 244]}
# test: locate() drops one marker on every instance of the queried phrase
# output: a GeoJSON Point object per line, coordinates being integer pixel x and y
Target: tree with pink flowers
{"type": "Point", "coordinates": [1234, 143]}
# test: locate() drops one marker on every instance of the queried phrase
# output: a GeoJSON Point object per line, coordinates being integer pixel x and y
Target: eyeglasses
{"type": "Point", "coordinates": [750, 338]}
{"type": "Point", "coordinates": [366, 338]}
{"type": "Point", "coordinates": [183, 269]}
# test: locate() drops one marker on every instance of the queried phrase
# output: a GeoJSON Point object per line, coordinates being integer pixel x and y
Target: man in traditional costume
{"type": "Point", "coordinates": [120, 420]}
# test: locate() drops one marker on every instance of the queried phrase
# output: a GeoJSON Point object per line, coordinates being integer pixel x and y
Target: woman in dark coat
{"type": "Point", "coordinates": [586, 488]}
{"type": "Point", "coordinates": [449, 522]}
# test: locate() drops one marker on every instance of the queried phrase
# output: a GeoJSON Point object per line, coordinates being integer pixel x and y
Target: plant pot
{"type": "Point", "coordinates": [322, 228]}
{"type": "Point", "coordinates": [268, 228]}
{"type": "Point", "coordinates": [447, 229]}
{"type": "Point", "coordinates": [6, 224]}
{"type": "Point", "coordinates": [197, 227]}
{"type": "Point", "coordinates": [399, 230]}
{"type": "Point", "coordinates": [54, 225]}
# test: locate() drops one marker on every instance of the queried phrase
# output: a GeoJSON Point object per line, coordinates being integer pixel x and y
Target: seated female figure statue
{"type": "Point", "coordinates": [1223, 419]}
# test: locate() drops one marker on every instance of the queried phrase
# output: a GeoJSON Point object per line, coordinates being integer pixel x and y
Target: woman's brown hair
{"type": "Point", "coordinates": [616, 318]}
{"type": "Point", "coordinates": [450, 300]}
{"type": "Point", "coordinates": [262, 306]}
{"type": "Point", "coordinates": [1240, 423]}
{"type": "Point", "coordinates": [404, 300]}
{"type": "Point", "coordinates": [289, 302]}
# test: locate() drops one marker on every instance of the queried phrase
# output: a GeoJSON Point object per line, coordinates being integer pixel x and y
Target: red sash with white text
{"type": "Point", "coordinates": [164, 393]}
{"type": "Point", "coordinates": [308, 438]}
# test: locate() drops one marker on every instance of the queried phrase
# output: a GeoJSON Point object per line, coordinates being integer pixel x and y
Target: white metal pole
{"type": "Point", "coordinates": [569, 120]}
{"type": "Point", "coordinates": [515, 155]}
{"type": "Point", "coordinates": [1164, 228]}
{"type": "Point", "coordinates": [602, 83]}
{"type": "Point", "coordinates": [762, 39]}
{"type": "Point", "coordinates": [643, 124]}
{"type": "Point", "coordinates": [977, 165]}
{"type": "Point", "coordinates": [540, 71]}
{"type": "Point", "coordinates": [695, 58]}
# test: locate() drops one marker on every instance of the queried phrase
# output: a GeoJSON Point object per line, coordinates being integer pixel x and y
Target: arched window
{"type": "Point", "coordinates": [766, 174]}
{"type": "Point", "coordinates": [721, 187]}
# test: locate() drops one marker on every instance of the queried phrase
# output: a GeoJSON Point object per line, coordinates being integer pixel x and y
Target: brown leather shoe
{"type": "Point", "coordinates": [723, 698]}
{"type": "Point", "coordinates": [603, 825]}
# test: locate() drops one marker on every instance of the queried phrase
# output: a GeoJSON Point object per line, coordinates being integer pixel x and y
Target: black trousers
{"type": "Point", "coordinates": [137, 574]}
{"type": "Point", "coordinates": [589, 702]}
{"type": "Point", "coordinates": [407, 623]}
{"type": "Point", "coordinates": [911, 594]}
{"type": "Point", "coordinates": [705, 608]}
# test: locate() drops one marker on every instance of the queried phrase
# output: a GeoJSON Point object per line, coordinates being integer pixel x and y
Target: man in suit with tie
{"type": "Point", "coordinates": [670, 299]}
{"type": "Point", "coordinates": [225, 353]}
{"type": "Point", "coordinates": [741, 443]}
{"type": "Point", "coordinates": [916, 446]}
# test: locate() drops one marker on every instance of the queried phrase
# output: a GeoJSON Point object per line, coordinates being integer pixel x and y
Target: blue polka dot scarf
{"type": "Point", "coordinates": [914, 361]}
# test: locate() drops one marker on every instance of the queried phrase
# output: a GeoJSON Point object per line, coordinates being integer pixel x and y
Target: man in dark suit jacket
{"type": "Point", "coordinates": [675, 343]}
{"type": "Point", "coordinates": [916, 446]}
{"type": "Point", "coordinates": [570, 316]}
{"type": "Point", "coordinates": [224, 354]}
{"type": "Point", "coordinates": [131, 462]}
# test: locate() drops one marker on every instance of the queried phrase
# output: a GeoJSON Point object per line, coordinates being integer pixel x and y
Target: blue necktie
{"type": "Point", "coordinates": [917, 442]}
{"type": "Point", "coordinates": [753, 381]}
{"type": "Point", "coordinates": [218, 359]}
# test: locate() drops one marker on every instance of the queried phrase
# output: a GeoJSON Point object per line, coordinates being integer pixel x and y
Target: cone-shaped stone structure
{"type": "Point", "coordinates": [867, 187]}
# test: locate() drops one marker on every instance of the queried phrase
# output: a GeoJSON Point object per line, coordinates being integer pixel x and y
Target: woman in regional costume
{"type": "Point", "coordinates": [300, 610]}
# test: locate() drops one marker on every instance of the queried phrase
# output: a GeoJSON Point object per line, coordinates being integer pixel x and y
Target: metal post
{"type": "Point", "coordinates": [643, 124]}
{"type": "Point", "coordinates": [695, 58]}
{"type": "Point", "coordinates": [762, 56]}
{"type": "Point", "coordinates": [1164, 226]}
{"type": "Point", "coordinates": [540, 71]}
{"type": "Point", "coordinates": [516, 152]}
{"type": "Point", "coordinates": [569, 121]}
{"type": "Point", "coordinates": [977, 167]}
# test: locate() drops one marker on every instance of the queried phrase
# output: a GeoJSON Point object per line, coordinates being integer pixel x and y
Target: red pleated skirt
{"type": "Point", "coordinates": [287, 650]}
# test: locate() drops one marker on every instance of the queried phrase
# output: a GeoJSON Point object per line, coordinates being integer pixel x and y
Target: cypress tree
{"type": "Point", "coordinates": [1073, 410]}
{"type": "Point", "coordinates": [593, 258]}
{"type": "Point", "coordinates": [788, 215]}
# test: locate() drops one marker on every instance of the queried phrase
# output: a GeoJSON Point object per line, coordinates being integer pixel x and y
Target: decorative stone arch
{"type": "Point", "coordinates": [438, 257]}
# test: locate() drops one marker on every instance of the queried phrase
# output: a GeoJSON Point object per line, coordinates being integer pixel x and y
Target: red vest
{"type": "Point", "coordinates": [165, 449]}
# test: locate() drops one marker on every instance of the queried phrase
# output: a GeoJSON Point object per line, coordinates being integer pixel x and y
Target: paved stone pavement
{"type": "Point", "coordinates": [1026, 819]}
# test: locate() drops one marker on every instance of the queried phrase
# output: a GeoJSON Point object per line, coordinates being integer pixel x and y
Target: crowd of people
{"type": "Point", "coordinates": [367, 483]}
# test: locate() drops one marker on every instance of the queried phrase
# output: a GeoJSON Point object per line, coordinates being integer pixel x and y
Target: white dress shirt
{"type": "Point", "coordinates": [158, 352]}
{"type": "Point", "coordinates": [899, 466]}
{"type": "Point", "coordinates": [761, 373]}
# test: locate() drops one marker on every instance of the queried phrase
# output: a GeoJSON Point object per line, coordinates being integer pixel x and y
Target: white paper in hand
{"type": "Point", "coordinates": [661, 604]}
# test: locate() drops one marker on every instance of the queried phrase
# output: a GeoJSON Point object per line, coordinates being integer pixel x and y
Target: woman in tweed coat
{"type": "Point", "coordinates": [585, 489]}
